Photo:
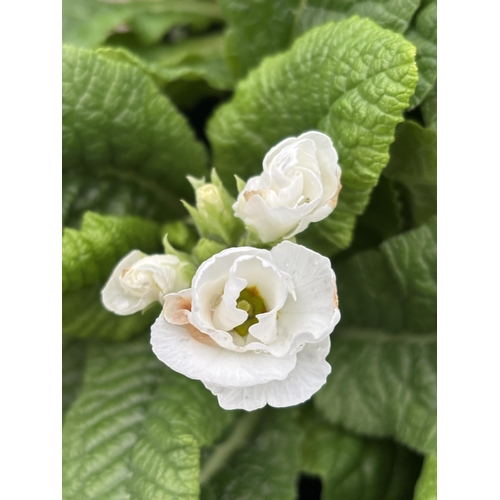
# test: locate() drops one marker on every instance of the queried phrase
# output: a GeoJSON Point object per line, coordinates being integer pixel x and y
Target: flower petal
{"type": "Point", "coordinates": [304, 380]}
{"type": "Point", "coordinates": [212, 364]}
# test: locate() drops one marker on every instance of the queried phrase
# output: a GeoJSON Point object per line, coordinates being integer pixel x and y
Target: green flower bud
{"type": "Point", "coordinates": [206, 248]}
{"type": "Point", "coordinates": [214, 215]}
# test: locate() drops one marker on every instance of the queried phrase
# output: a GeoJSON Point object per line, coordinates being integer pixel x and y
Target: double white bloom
{"type": "Point", "coordinates": [254, 327]}
{"type": "Point", "coordinates": [139, 280]}
{"type": "Point", "coordinates": [300, 184]}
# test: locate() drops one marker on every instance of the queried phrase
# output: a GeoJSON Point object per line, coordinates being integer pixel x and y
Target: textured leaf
{"type": "Point", "coordinates": [351, 80]}
{"type": "Point", "coordinates": [265, 467]}
{"type": "Point", "coordinates": [427, 484]}
{"type": "Point", "coordinates": [73, 362]}
{"type": "Point", "coordinates": [136, 429]}
{"type": "Point", "coordinates": [413, 163]}
{"type": "Point", "coordinates": [394, 287]}
{"type": "Point", "coordinates": [91, 254]}
{"type": "Point", "coordinates": [383, 385]}
{"type": "Point", "coordinates": [87, 192]}
{"type": "Point", "coordinates": [116, 123]}
{"type": "Point", "coordinates": [429, 108]}
{"type": "Point", "coordinates": [87, 23]}
{"type": "Point", "coordinates": [83, 316]}
{"type": "Point", "coordinates": [423, 33]}
{"type": "Point", "coordinates": [356, 468]}
{"type": "Point", "coordinates": [258, 28]}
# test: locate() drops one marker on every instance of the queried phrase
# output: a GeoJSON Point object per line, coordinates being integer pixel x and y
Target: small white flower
{"type": "Point", "coordinates": [254, 327]}
{"type": "Point", "coordinates": [139, 280]}
{"type": "Point", "coordinates": [300, 184]}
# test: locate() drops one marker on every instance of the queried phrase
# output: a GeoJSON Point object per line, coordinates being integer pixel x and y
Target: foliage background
{"type": "Point", "coordinates": [154, 90]}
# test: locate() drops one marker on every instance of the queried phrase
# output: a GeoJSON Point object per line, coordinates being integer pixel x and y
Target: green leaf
{"type": "Point", "coordinates": [84, 316]}
{"type": "Point", "coordinates": [427, 484]}
{"type": "Point", "coordinates": [87, 192]}
{"type": "Point", "coordinates": [258, 29]}
{"type": "Point", "coordinates": [198, 58]}
{"type": "Point", "coordinates": [383, 384]}
{"type": "Point", "coordinates": [413, 164]}
{"type": "Point", "coordinates": [88, 23]}
{"type": "Point", "coordinates": [73, 362]}
{"type": "Point", "coordinates": [423, 33]}
{"type": "Point", "coordinates": [91, 254]}
{"type": "Point", "coordinates": [350, 79]}
{"type": "Point", "coordinates": [356, 468]}
{"type": "Point", "coordinates": [136, 429]}
{"type": "Point", "coordinates": [116, 123]}
{"type": "Point", "coordinates": [395, 287]}
{"type": "Point", "coordinates": [429, 108]}
{"type": "Point", "coordinates": [266, 465]}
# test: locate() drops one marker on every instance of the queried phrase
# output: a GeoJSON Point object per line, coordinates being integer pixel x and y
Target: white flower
{"type": "Point", "coordinates": [300, 184]}
{"type": "Point", "coordinates": [139, 280]}
{"type": "Point", "coordinates": [254, 327]}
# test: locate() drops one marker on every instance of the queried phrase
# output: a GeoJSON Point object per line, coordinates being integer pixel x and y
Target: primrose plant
{"type": "Point", "coordinates": [253, 324]}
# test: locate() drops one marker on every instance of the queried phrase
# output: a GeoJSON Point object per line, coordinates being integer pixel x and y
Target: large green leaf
{"type": "Point", "coordinates": [83, 315]}
{"type": "Point", "coordinates": [427, 484]}
{"type": "Point", "coordinates": [89, 255]}
{"type": "Point", "coordinates": [413, 164]}
{"type": "Point", "coordinates": [117, 124]}
{"type": "Point", "coordinates": [383, 384]}
{"type": "Point", "coordinates": [356, 468]}
{"type": "Point", "coordinates": [266, 464]}
{"type": "Point", "coordinates": [73, 362]}
{"type": "Point", "coordinates": [258, 29]}
{"type": "Point", "coordinates": [395, 287]}
{"type": "Point", "coordinates": [87, 23]}
{"type": "Point", "coordinates": [350, 79]}
{"type": "Point", "coordinates": [86, 192]}
{"type": "Point", "coordinates": [137, 427]}
{"type": "Point", "coordinates": [383, 354]}
{"type": "Point", "coordinates": [423, 33]}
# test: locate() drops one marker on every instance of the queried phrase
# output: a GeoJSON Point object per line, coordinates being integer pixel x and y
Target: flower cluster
{"type": "Point", "coordinates": [252, 324]}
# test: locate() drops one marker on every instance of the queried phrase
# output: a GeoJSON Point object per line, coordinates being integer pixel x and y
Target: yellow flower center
{"type": "Point", "coordinates": [252, 303]}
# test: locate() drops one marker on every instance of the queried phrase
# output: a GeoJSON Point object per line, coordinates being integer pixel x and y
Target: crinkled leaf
{"type": "Point", "coordinates": [116, 123]}
{"type": "Point", "coordinates": [429, 108]}
{"type": "Point", "coordinates": [258, 29]}
{"type": "Point", "coordinates": [266, 465]}
{"type": "Point", "coordinates": [87, 192]}
{"type": "Point", "coordinates": [136, 429]}
{"type": "Point", "coordinates": [427, 484]}
{"type": "Point", "coordinates": [88, 23]}
{"type": "Point", "coordinates": [383, 384]}
{"type": "Point", "coordinates": [83, 315]}
{"type": "Point", "coordinates": [423, 33]}
{"type": "Point", "coordinates": [413, 164]}
{"type": "Point", "coordinates": [89, 255]}
{"type": "Point", "coordinates": [394, 287]}
{"type": "Point", "coordinates": [355, 468]}
{"type": "Point", "coordinates": [73, 362]}
{"type": "Point", "coordinates": [350, 79]}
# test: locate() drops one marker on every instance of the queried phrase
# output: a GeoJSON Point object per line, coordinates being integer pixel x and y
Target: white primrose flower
{"type": "Point", "coordinates": [254, 327]}
{"type": "Point", "coordinates": [300, 184]}
{"type": "Point", "coordinates": [139, 280]}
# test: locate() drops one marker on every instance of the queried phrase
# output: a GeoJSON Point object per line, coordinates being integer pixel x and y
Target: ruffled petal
{"type": "Point", "coordinates": [308, 376]}
{"type": "Point", "coordinates": [188, 351]}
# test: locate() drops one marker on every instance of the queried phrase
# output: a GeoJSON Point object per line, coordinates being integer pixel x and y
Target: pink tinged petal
{"type": "Point", "coordinates": [175, 346]}
{"type": "Point", "coordinates": [308, 376]}
{"type": "Point", "coordinates": [177, 306]}
{"type": "Point", "coordinates": [120, 301]}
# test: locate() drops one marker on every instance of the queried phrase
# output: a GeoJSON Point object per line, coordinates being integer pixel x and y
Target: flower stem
{"type": "Point", "coordinates": [234, 442]}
